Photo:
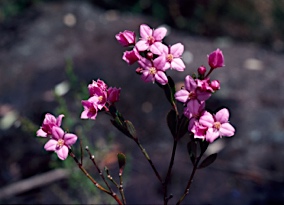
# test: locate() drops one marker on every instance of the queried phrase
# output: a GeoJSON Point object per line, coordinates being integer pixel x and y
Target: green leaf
{"type": "Point", "coordinates": [172, 122]}
{"type": "Point", "coordinates": [182, 126]}
{"type": "Point", "coordinates": [203, 146]}
{"type": "Point", "coordinates": [207, 161]}
{"type": "Point", "coordinates": [192, 150]}
{"type": "Point", "coordinates": [121, 162]}
{"type": "Point", "coordinates": [130, 128]}
{"type": "Point", "coordinates": [169, 89]}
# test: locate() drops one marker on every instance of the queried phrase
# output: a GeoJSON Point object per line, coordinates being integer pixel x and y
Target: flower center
{"type": "Point", "coordinates": [170, 57]}
{"type": "Point", "coordinates": [60, 143]}
{"type": "Point", "coordinates": [192, 95]}
{"type": "Point", "coordinates": [217, 125]}
{"type": "Point", "coordinates": [100, 98]}
{"type": "Point", "coordinates": [153, 70]}
{"type": "Point", "coordinates": [151, 40]}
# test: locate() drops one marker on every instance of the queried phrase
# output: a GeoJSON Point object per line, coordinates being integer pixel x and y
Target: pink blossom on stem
{"type": "Point", "coordinates": [90, 108]}
{"type": "Point", "coordinates": [215, 85]}
{"type": "Point", "coordinates": [113, 94]}
{"type": "Point", "coordinates": [204, 85]}
{"type": "Point", "coordinates": [216, 59]}
{"type": "Point", "coordinates": [95, 86]}
{"type": "Point", "coordinates": [126, 38]}
{"type": "Point", "coordinates": [154, 70]}
{"type": "Point", "coordinates": [199, 130]}
{"type": "Point", "coordinates": [173, 56]}
{"type": "Point", "coordinates": [49, 122]}
{"type": "Point", "coordinates": [131, 56]}
{"type": "Point", "coordinates": [218, 125]}
{"type": "Point", "coordinates": [191, 92]}
{"type": "Point", "coordinates": [60, 142]}
{"type": "Point", "coordinates": [151, 39]}
{"type": "Point", "coordinates": [193, 111]}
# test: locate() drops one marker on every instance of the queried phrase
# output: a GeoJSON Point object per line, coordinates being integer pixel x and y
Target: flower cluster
{"type": "Point", "coordinates": [195, 92]}
{"type": "Point", "coordinates": [59, 142]}
{"type": "Point", "coordinates": [153, 57]}
{"type": "Point", "coordinates": [101, 97]}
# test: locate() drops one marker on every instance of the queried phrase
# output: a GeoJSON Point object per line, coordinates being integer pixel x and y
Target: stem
{"type": "Point", "coordinates": [210, 71]}
{"type": "Point", "coordinates": [165, 183]}
{"type": "Point", "coordinates": [92, 179]}
{"type": "Point", "coordinates": [121, 189]}
{"type": "Point", "coordinates": [149, 159]}
{"type": "Point", "coordinates": [186, 191]}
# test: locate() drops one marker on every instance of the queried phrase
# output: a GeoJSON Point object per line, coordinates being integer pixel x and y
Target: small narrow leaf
{"type": "Point", "coordinates": [172, 122]}
{"type": "Point", "coordinates": [207, 161]}
{"type": "Point", "coordinates": [130, 128]}
{"type": "Point", "coordinates": [121, 162]}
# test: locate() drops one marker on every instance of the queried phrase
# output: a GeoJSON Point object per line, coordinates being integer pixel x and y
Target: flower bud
{"type": "Point", "coordinates": [150, 55]}
{"type": "Point", "coordinates": [216, 59]}
{"type": "Point", "coordinates": [215, 85]}
{"type": "Point", "coordinates": [201, 70]}
{"type": "Point", "coordinates": [131, 56]}
{"type": "Point", "coordinates": [126, 38]}
{"type": "Point", "coordinates": [113, 94]}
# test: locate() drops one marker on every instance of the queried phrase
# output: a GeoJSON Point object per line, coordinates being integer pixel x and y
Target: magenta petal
{"type": "Point", "coordinates": [62, 153]}
{"type": "Point", "coordinates": [70, 139]}
{"type": "Point", "coordinates": [161, 78]}
{"type": "Point", "coordinates": [59, 120]}
{"type": "Point", "coordinates": [222, 115]}
{"type": "Point", "coordinates": [177, 50]}
{"type": "Point", "coordinates": [182, 95]}
{"type": "Point", "coordinates": [145, 31]}
{"type": "Point", "coordinates": [193, 107]}
{"type": "Point", "coordinates": [144, 63]}
{"type": "Point", "coordinates": [160, 63]}
{"type": "Point", "coordinates": [57, 133]}
{"type": "Point", "coordinates": [178, 64]}
{"type": "Point", "coordinates": [41, 133]}
{"type": "Point", "coordinates": [142, 45]}
{"type": "Point", "coordinates": [227, 130]}
{"type": "Point", "coordinates": [50, 145]}
{"type": "Point", "coordinates": [84, 114]}
{"type": "Point", "coordinates": [202, 96]}
{"type": "Point", "coordinates": [206, 119]}
{"type": "Point", "coordinates": [211, 135]}
{"type": "Point", "coordinates": [159, 33]}
{"type": "Point", "coordinates": [147, 77]}
{"type": "Point", "coordinates": [157, 48]}
{"type": "Point", "coordinates": [189, 83]}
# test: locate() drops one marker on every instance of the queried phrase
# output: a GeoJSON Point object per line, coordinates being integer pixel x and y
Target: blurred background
{"type": "Point", "coordinates": [51, 50]}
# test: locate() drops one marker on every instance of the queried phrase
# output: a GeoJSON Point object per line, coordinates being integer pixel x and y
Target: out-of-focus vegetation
{"type": "Point", "coordinates": [250, 20]}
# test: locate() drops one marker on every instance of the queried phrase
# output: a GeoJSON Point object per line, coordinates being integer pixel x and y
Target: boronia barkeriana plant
{"type": "Point", "coordinates": [198, 125]}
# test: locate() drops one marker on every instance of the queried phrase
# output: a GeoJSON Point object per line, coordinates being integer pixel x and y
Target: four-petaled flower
{"type": "Point", "coordinates": [173, 56]}
{"type": "Point", "coordinates": [90, 108]}
{"type": "Point", "coordinates": [60, 142]}
{"type": "Point", "coordinates": [151, 39]}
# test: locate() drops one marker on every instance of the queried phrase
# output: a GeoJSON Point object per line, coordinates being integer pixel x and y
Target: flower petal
{"type": "Point", "coordinates": [41, 133]}
{"type": "Point", "coordinates": [227, 130]}
{"type": "Point", "coordinates": [182, 95]}
{"type": "Point", "coordinates": [206, 119]}
{"type": "Point", "coordinates": [145, 31]}
{"type": "Point", "coordinates": [178, 64]}
{"type": "Point", "coordinates": [157, 48]}
{"type": "Point", "coordinates": [57, 133]}
{"type": "Point", "coordinates": [147, 77]}
{"type": "Point", "coordinates": [50, 145]}
{"type": "Point", "coordinates": [211, 135]}
{"type": "Point", "coordinates": [159, 33]}
{"type": "Point", "coordinates": [70, 139]}
{"type": "Point", "coordinates": [177, 50]}
{"type": "Point", "coordinates": [63, 152]}
{"type": "Point", "coordinates": [59, 120]}
{"type": "Point", "coordinates": [222, 115]}
{"type": "Point", "coordinates": [142, 45]}
{"type": "Point", "coordinates": [161, 78]}
{"type": "Point", "coordinates": [160, 63]}
{"type": "Point", "coordinates": [189, 83]}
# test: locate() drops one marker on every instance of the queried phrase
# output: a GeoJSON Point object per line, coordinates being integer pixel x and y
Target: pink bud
{"type": "Point", "coordinates": [150, 55]}
{"type": "Point", "coordinates": [216, 59]}
{"type": "Point", "coordinates": [139, 71]}
{"type": "Point", "coordinates": [201, 70]}
{"type": "Point", "coordinates": [126, 38]}
{"type": "Point", "coordinates": [215, 85]}
{"type": "Point", "coordinates": [131, 56]}
{"type": "Point", "coordinates": [113, 94]}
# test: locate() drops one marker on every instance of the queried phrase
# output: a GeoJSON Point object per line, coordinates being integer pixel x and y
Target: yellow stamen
{"type": "Point", "coordinates": [153, 70]}
{"type": "Point", "coordinates": [217, 125]}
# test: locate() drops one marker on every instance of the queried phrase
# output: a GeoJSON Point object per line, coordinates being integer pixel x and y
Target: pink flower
{"type": "Point", "coordinates": [154, 70]}
{"type": "Point", "coordinates": [60, 142]}
{"type": "Point", "coordinates": [199, 130]}
{"type": "Point", "coordinates": [48, 123]}
{"type": "Point", "coordinates": [217, 125]}
{"type": "Point", "coordinates": [151, 39]}
{"type": "Point", "coordinates": [126, 38]}
{"type": "Point", "coordinates": [173, 56]}
{"type": "Point", "coordinates": [191, 92]}
{"type": "Point", "coordinates": [193, 111]}
{"type": "Point", "coordinates": [113, 95]}
{"type": "Point", "coordinates": [204, 85]}
{"type": "Point", "coordinates": [98, 90]}
{"type": "Point", "coordinates": [216, 59]}
{"type": "Point", "coordinates": [131, 56]}
{"type": "Point", "coordinates": [90, 108]}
